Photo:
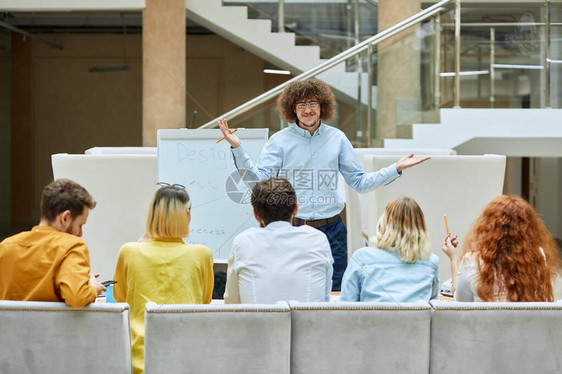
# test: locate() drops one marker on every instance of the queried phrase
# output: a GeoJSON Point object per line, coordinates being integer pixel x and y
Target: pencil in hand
{"type": "Point", "coordinates": [231, 132]}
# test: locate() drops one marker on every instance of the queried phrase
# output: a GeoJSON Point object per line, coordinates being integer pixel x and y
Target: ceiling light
{"type": "Point", "coordinates": [276, 71]}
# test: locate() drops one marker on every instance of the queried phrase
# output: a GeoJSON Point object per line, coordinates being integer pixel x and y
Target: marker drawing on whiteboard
{"type": "Point", "coordinates": [199, 184]}
{"type": "Point", "coordinates": [203, 155]}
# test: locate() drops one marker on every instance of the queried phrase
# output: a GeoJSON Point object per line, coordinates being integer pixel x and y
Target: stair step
{"type": "Point", "coordinates": [254, 35]}
{"type": "Point", "coordinates": [460, 126]}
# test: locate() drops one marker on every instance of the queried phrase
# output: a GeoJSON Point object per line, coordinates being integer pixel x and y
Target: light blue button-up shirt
{"type": "Point", "coordinates": [311, 163]}
{"type": "Point", "coordinates": [375, 274]}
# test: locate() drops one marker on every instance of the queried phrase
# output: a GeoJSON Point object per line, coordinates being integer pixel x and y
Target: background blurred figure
{"type": "Point", "coordinates": [508, 255]}
{"type": "Point", "coordinates": [163, 269]}
{"type": "Point", "coordinates": [400, 268]}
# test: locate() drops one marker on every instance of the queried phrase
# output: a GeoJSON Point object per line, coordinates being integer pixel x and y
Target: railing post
{"type": "Point", "coordinates": [358, 61]}
{"type": "Point", "coordinates": [369, 93]}
{"type": "Point", "coordinates": [492, 61]}
{"type": "Point", "coordinates": [437, 63]}
{"type": "Point", "coordinates": [356, 22]}
{"type": "Point", "coordinates": [348, 25]}
{"type": "Point", "coordinates": [457, 103]}
{"type": "Point", "coordinates": [547, 54]}
{"type": "Point", "coordinates": [281, 16]}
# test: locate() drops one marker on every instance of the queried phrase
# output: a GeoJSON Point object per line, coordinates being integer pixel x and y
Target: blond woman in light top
{"type": "Point", "coordinates": [164, 269]}
{"type": "Point", "coordinates": [400, 267]}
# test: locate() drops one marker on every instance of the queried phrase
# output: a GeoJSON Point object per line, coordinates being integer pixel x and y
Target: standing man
{"type": "Point", "coordinates": [51, 262]}
{"type": "Point", "coordinates": [278, 261]}
{"type": "Point", "coordinates": [310, 153]}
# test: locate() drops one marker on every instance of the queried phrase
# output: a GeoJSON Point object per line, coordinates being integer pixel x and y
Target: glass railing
{"type": "Point", "coordinates": [555, 55]}
{"type": "Point", "coordinates": [505, 57]}
{"type": "Point", "coordinates": [509, 58]}
{"type": "Point", "coordinates": [334, 25]}
{"type": "Point", "coordinates": [391, 87]}
{"type": "Point", "coordinates": [372, 80]}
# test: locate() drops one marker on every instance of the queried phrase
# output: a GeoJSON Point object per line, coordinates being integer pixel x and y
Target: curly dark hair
{"type": "Point", "coordinates": [300, 91]}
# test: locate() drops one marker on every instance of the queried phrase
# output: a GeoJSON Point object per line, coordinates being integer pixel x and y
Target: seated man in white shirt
{"type": "Point", "coordinates": [278, 261]}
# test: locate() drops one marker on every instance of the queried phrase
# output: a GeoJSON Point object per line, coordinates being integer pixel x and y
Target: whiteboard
{"type": "Point", "coordinates": [219, 194]}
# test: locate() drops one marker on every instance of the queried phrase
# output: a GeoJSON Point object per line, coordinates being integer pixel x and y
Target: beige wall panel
{"type": "Point", "coordinates": [76, 110]}
{"type": "Point", "coordinates": [70, 110]}
{"type": "Point", "coordinates": [203, 89]}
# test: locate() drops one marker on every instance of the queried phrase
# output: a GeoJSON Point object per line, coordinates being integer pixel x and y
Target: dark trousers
{"type": "Point", "coordinates": [337, 236]}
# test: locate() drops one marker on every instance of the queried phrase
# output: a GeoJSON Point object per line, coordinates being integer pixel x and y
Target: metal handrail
{"type": "Point", "coordinates": [383, 35]}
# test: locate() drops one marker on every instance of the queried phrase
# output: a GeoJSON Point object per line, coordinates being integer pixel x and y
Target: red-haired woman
{"type": "Point", "coordinates": [508, 255]}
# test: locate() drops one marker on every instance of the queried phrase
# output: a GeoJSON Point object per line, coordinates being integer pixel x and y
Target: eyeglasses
{"type": "Point", "coordinates": [175, 185]}
{"type": "Point", "coordinates": [311, 105]}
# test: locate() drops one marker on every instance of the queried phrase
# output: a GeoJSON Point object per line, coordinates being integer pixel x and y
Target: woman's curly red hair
{"type": "Point", "coordinates": [506, 239]}
{"type": "Point", "coordinates": [300, 91]}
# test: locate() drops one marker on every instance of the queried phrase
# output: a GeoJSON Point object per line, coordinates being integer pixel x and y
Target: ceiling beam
{"type": "Point", "coordinates": [69, 5]}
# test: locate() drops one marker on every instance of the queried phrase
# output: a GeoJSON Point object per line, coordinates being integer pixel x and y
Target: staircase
{"type": "Point", "coordinates": [512, 132]}
{"type": "Point", "coordinates": [254, 35]}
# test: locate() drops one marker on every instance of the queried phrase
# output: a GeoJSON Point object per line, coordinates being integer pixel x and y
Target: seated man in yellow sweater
{"type": "Point", "coordinates": [51, 262]}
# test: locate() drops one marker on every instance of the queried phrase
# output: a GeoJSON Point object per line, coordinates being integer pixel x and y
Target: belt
{"type": "Point", "coordinates": [315, 222]}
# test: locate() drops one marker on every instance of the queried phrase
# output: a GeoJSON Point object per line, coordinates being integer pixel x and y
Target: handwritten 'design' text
{"type": "Point", "coordinates": [220, 157]}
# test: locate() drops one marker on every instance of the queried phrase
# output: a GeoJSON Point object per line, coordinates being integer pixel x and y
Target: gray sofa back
{"type": "Point", "coordinates": [234, 339]}
{"type": "Point", "coordinates": [48, 337]}
{"type": "Point", "coordinates": [360, 337]}
{"type": "Point", "coordinates": [496, 337]}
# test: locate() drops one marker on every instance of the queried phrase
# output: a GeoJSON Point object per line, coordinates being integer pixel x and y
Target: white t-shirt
{"type": "Point", "coordinates": [467, 279]}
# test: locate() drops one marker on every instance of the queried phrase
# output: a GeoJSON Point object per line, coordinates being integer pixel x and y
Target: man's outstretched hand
{"type": "Point", "coordinates": [409, 161]}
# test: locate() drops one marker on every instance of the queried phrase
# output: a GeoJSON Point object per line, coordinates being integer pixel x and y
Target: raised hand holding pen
{"type": "Point", "coordinates": [229, 136]}
{"type": "Point", "coordinates": [449, 247]}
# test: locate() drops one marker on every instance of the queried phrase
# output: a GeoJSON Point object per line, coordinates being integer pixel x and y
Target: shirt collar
{"type": "Point", "coordinates": [278, 225]}
{"type": "Point", "coordinates": [305, 133]}
{"type": "Point", "coordinates": [170, 240]}
{"type": "Point", "coordinates": [43, 228]}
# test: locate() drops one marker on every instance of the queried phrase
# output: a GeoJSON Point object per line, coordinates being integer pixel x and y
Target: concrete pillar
{"type": "Point", "coordinates": [163, 85]}
{"type": "Point", "coordinates": [398, 72]}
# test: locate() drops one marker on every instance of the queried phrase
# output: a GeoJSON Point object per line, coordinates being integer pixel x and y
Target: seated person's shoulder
{"type": "Point", "coordinates": [132, 246]}
{"type": "Point", "coordinates": [368, 255]}
{"type": "Point", "coordinates": [368, 252]}
{"type": "Point", "coordinates": [311, 232]}
{"type": "Point", "coordinates": [434, 260]}
{"type": "Point", "coordinates": [13, 239]}
{"type": "Point", "coordinates": [69, 240]}
{"type": "Point", "coordinates": [200, 249]}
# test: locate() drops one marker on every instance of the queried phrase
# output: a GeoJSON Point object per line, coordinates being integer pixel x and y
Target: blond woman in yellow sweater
{"type": "Point", "coordinates": [163, 269]}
